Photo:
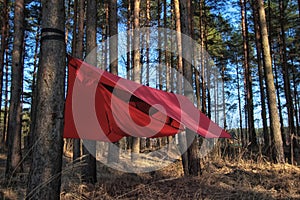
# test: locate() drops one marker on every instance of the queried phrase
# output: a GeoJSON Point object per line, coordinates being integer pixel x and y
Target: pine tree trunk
{"type": "Point", "coordinates": [267, 138]}
{"type": "Point", "coordinates": [77, 50]}
{"type": "Point", "coordinates": [203, 82]}
{"type": "Point", "coordinates": [113, 148]}
{"type": "Point", "coordinates": [14, 156]}
{"type": "Point", "coordinates": [89, 172]}
{"type": "Point", "coordinates": [248, 78]}
{"type": "Point", "coordinates": [33, 87]}
{"type": "Point", "coordinates": [181, 136]}
{"type": "Point", "coordinates": [242, 137]}
{"type": "Point", "coordinates": [4, 35]}
{"type": "Point", "coordinates": [274, 119]}
{"type": "Point", "coordinates": [286, 73]}
{"type": "Point", "coordinates": [45, 172]}
{"type": "Point", "coordinates": [4, 139]}
{"type": "Point", "coordinates": [135, 148]}
{"type": "Point", "coordinates": [186, 28]}
{"type": "Point", "coordinates": [148, 5]}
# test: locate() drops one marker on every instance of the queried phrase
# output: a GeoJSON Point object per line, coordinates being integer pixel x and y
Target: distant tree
{"type": "Point", "coordinates": [89, 172]}
{"type": "Point", "coordinates": [182, 139]}
{"type": "Point", "coordinates": [286, 70]}
{"type": "Point", "coordinates": [77, 50]}
{"type": "Point", "coordinates": [135, 148]}
{"type": "Point", "coordinates": [4, 36]}
{"type": "Point", "coordinates": [5, 114]}
{"type": "Point", "coordinates": [113, 152]}
{"type": "Point", "coordinates": [14, 156]}
{"type": "Point", "coordinates": [248, 77]}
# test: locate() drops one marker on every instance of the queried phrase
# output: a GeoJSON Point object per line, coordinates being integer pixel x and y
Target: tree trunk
{"type": "Point", "coordinates": [79, 11]}
{"type": "Point", "coordinates": [203, 82]}
{"type": "Point", "coordinates": [186, 26]}
{"type": "Point", "coordinates": [14, 156]}
{"type": "Point", "coordinates": [242, 137]}
{"type": "Point", "coordinates": [4, 36]}
{"type": "Point", "coordinates": [135, 148]}
{"type": "Point", "coordinates": [267, 138]}
{"type": "Point", "coordinates": [274, 119]}
{"type": "Point", "coordinates": [248, 78]}
{"type": "Point", "coordinates": [286, 72]}
{"type": "Point", "coordinates": [148, 5]}
{"type": "Point", "coordinates": [33, 87]}
{"type": "Point", "coordinates": [89, 172]}
{"type": "Point", "coordinates": [45, 172]}
{"type": "Point", "coordinates": [4, 139]}
{"type": "Point", "coordinates": [113, 148]}
{"type": "Point", "coordinates": [181, 136]}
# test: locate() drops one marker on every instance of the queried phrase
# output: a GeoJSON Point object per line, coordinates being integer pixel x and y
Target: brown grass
{"type": "Point", "coordinates": [220, 180]}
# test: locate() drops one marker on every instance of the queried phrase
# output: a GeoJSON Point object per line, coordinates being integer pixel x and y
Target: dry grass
{"type": "Point", "coordinates": [220, 180]}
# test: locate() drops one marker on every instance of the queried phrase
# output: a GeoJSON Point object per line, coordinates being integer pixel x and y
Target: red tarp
{"type": "Point", "coordinates": [102, 106]}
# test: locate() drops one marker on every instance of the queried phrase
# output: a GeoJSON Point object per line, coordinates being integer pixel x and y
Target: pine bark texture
{"type": "Point", "coordinates": [14, 155]}
{"type": "Point", "coordinates": [271, 93]}
{"type": "Point", "coordinates": [113, 148]}
{"type": "Point", "coordinates": [135, 148]}
{"type": "Point", "coordinates": [186, 26]}
{"type": "Point", "coordinates": [45, 172]}
{"type": "Point", "coordinates": [89, 172]}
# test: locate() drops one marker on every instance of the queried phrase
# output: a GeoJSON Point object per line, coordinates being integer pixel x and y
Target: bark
{"type": "Point", "coordinates": [223, 97]}
{"type": "Point", "coordinates": [248, 78]}
{"type": "Point", "coordinates": [106, 34]}
{"type": "Point", "coordinates": [285, 70]}
{"type": "Point", "coordinates": [33, 87]}
{"type": "Point", "coordinates": [135, 148]}
{"type": "Point", "coordinates": [75, 19]}
{"type": "Point", "coordinates": [129, 56]}
{"type": "Point", "coordinates": [113, 148]}
{"type": "Point", "coordinates": [89, 172]}
{"type": "Point", "coordinates": [274, 119]}
{"type": "Point", "coordinates": [296, 99]}
{"type": "Point", "coordinates": [75, 142]}
{"type": "Point", "coordinates": [148, 6]}
{"type": "Point", "coordinates": [203, 83]}
{"type": "Point", "coordinates": [4, 35]}
{"type": "Point", "coordinates": [181, 137]}
{"type": "Point", "coordinates": [186, 28]}
{"type": "Point", "coordinates": [79, 10]}
{"type": "Point", "coordinates": [6, 100]}
{"type": "Point", "coordinates": [167, 61]}
{"type": "Point", "coordinates": [240, 107]}
{"type": "Point", "coordinates": [278, 92]}
{"type": "Point", "coordinates": [14, 156]}
{"type": "Point", "coordinates": [45, 172]}
{"type": "Point", "coordinates": [267, 138]}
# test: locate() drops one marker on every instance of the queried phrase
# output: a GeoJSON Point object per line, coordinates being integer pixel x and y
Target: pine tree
{"type": "Point", "coordinates": [135, 148]}
{"type": "Point", "coordinates": [274, 119]}
{"type": "Point", "coordinates": [89, 172]}
{"type": "Point", "coordinates": [45, 171]}
{"type": "Point", "coordinates": [14, 155]}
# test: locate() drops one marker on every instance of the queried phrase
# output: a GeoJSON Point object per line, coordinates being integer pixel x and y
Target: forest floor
{"type": "Point", "coordinates": [221, 179]}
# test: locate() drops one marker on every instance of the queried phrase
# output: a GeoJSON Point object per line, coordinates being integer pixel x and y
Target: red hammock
{"type": "Point", "coordinates": [102, 106]}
